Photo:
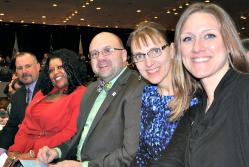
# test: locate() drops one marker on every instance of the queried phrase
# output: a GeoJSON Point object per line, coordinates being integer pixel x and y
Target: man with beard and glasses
{"type": "Point", "coordinates": [27, 70]}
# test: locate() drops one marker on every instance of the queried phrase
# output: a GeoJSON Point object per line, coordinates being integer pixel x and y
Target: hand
{"type": "Point", "coordinates": [67, 163]}
{"type": "Point", "coordinates": [47, 154]}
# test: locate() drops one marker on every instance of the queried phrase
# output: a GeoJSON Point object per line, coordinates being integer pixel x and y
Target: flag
{"type": "Point", "coordinates": [15, 48]}
{"type": "Point", "coordinates": [81, 49]}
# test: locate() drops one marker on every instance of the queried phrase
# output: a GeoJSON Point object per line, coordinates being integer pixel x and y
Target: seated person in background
{"type": "Point", "coordinates": [51, 116]}
{"type": "Point", "coordinates": [4, 115]}
{"type": "Point", "coordinates": [13, 85]}
{"type": "Point", "coordinates": [163, 102]}
{"type": "Point", "coordinates": [11, 88]}
{"type": "Point", "coordinates": [245, 43]}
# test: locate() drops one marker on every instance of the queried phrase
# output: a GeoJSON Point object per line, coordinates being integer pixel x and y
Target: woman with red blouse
{"type": "Point", "coordinates": [51, 116]}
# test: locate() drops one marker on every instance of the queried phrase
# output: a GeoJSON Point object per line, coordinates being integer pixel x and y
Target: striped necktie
{"type": "Point", "coordinates": [28, 95]}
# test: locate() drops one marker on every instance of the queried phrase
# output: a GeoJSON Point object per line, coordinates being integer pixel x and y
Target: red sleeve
{"type": "Point", "coordinates": [71, 127]}
{"type": "Point", "coordinates": [22, 142]}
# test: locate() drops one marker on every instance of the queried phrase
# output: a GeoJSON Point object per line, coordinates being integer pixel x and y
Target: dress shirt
{"type": "Point", "coordinates": [99, 100]}
{"type": "Point", "coordinates": [31, 87]}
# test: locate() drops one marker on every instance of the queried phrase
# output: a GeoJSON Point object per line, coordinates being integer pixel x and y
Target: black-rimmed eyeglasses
{"type": "Point", "coordinates": [105, 52]}
{"type": "Point", "coordinates": [154, 52]}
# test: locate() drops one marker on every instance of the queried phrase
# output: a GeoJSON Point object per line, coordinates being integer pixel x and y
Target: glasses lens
{"type": "Point", "coordinates": [107, 51]}
{"type": "Point", "coordinates": [138, 57]}
{"type": "Point", "coordinates": [93, 55]}
{"type": "Point", "coordinates": [154, 52]}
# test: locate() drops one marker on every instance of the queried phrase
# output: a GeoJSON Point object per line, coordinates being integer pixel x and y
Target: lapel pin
{"type": "Point", "coordinates": [114, 93]}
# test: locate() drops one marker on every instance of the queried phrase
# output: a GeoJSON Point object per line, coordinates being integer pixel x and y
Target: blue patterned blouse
{"type": "Point", "coordinates": [155, 128]}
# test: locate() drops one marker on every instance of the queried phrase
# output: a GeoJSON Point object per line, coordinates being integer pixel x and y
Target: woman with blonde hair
{"type": "Point", "coordinates": [163, 102]}
{"type": "Point", "coordinates": [208, 46]}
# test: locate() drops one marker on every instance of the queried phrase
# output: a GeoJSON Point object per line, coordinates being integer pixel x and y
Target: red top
{"type": "Point", "coordinates": [48, 123]}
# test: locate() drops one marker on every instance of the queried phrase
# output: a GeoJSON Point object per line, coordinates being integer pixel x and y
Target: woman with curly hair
{"type": "Point", "coordinates": [51, 116]}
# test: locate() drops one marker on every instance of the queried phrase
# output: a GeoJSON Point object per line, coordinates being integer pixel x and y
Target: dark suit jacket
{"type": "Point", "coordinates": [17, 112]}
{"type": "Point", "coordinates": [114, 134]}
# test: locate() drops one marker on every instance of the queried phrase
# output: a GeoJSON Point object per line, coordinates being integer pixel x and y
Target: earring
{"type": "Point", "coordinates": [139, 77]}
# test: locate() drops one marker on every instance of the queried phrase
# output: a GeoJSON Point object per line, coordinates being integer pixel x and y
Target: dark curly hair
{"type": "Point", "coordinates": [73, 66]}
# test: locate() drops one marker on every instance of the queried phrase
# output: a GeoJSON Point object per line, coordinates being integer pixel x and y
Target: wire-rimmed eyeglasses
{"type": "Point", "coordinates": [105, 52]}
{"type": "Point", "coordinates": [154, 52]}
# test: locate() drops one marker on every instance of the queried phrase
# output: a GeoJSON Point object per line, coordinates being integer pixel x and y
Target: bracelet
{"type": "Point", "coordinates": [31, 153]}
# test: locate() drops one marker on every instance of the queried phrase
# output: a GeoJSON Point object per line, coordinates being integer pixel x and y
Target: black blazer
{"type": "Point", "coordinates": [17, 112]}
{"type": "Point", "coordinates": [114, 134]}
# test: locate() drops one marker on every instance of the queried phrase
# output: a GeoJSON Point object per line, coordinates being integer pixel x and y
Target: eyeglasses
{"type": "Point", "coordinates": [154, 52]}
{"type": "Point", "coordinates": [105, 52]}
{"type": "Point", "coordinates": [58, 68]}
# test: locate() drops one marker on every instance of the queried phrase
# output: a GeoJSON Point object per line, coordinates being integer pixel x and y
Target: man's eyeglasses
{"type": "Point", "coordinates": [154, 52]}
{"type": "Point", "coordinates": [105, 52]}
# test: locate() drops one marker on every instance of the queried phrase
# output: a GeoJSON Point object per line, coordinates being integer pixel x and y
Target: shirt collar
{"type": "Point", "coordinates": [31, 86]}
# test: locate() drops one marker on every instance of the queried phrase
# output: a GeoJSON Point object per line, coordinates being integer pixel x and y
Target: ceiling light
{"type": "Point", "coordinates": [187, 4]}
{"type": "Point", "coordinates": [180, 6]}
{"type": "Point", "coordinates": [146, 21]}
{"type": "Point", "coordinates": [243, 17]}
{"type": "Point", "coordinates": [91, 0]}
{"type": "Point", "coordinates": [67, 18]}
{"type": "Point", "coordinates": [64, 21]}
{"type": "Point", "coordinates": [98, 8]}
{"type": "Point", "coordinates": [44, 17]}
{"type": "Point", "coordinates": [155, 17]}
{"type": "Point", "coordinates": [174, 9]}
{"type": "Point", "coordinates": [75, 11]}
{"type": "Point", "coordinates": [73, 14]}
{"type": "Point", "coordinates": [106, 26]}
{"type": "Point", "coordinates": [116, 26]}
{"type": "Point", "coordinates": [55, 5]}
{"type": "Point", "coordinates": [82, 19]}
{"type": "Point", "coordinates": [207, 1]}
{"type": "Point", "coordinates": [87, 3]}
{"type": "Point", "coordinates": [11, 21]}
{"type": "Point", "coordinates": [242, 28]}
{"type": "Point", "coordinates": [33, 22]}
{"type": "Point", "coordinates": [1, 20]}
{"type": "Point", "coordinates": [138, 11]}
{"type": "Point", "coordinates": [175, 13]}
{"type": "Point", "coordinates": [83, 6]}
{"type": "Point", "coordinates": [88, 25]}
{"type": "Point", "coordinates": [44, 22]}
{"type": "Point", "coordinates": [22, 21]}
{"type": "Point", "coordinates": [1, 14]}
{"type": "Point", "coordinates": [168, 11]}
